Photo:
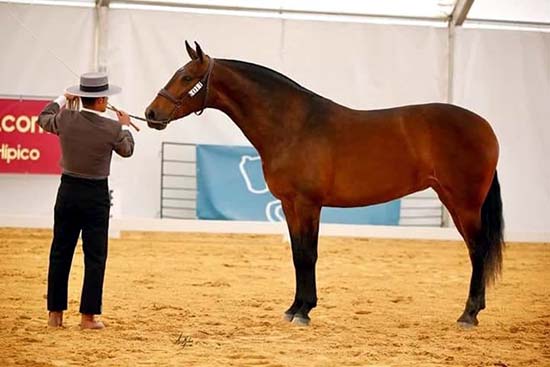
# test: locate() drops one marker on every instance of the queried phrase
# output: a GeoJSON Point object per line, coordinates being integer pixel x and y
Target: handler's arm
{"type": "Point", "coordinates": [124, 145]}
{"type": "Point", "coordinates": [48, 118]}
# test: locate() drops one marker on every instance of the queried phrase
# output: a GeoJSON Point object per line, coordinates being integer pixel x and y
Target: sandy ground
{"type": "Point", "coordinates": [217, 300]}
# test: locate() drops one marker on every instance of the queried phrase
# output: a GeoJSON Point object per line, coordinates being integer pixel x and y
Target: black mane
{"type": "Point", "coordinates": [265, 76]}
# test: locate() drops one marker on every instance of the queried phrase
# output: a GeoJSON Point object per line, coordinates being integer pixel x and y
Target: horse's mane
{"type": "Point", "coordinates": [265, 76]}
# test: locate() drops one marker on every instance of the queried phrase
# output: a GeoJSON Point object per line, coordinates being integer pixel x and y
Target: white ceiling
{"type": "Point", "coordinates": [521, 11]}
{"type": "Point", "coordinates": [400, 8]}
{"type": "Point", "coordinates": [534, 11]}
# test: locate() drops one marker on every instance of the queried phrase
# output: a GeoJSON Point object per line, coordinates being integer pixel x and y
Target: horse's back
{"type": "Point", "coordinates": [437, 129]}
{"type": "Point", "coordinates": [401, 150]}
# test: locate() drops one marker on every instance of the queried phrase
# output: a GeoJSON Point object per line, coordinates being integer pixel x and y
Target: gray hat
{"type": "Point", "coordinates": [93, 85]}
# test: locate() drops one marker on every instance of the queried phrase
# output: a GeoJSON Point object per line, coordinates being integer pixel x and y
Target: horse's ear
{"type": "Point", "coordinates": [199, 52]}
{"type": "Point", "coordinates": [192, 53]}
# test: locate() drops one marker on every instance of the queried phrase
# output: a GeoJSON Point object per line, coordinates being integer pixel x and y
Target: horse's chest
{"type": "Point", "coordinates": [299, 174]}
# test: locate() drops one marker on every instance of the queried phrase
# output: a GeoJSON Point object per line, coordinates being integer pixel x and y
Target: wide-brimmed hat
{"type": "Point", "coordinates": [93, 85]}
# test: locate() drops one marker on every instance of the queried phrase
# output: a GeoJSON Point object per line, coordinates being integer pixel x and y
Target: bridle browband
{"type": "Point", "coordinates": [178, 103]}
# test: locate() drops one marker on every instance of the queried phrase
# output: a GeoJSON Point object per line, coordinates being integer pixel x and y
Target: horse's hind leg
{"type": "Point", "coordinates": [468, 223]}
{"type": "Point", "coordinates": [303, 222]}
{"type": "Point", "coordinates": [484, 230]}
{"type": "Point", "coordinates": [471, 227]}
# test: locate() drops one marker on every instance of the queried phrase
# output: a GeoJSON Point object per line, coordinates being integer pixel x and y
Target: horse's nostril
{"type": "Point", "coordinates": [150, 114]}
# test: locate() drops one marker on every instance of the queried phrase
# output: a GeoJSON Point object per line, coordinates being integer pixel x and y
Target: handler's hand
{"type": "Point", "coordinates": [70, 97]}
{"type": "Point", "coordinates": [123, 118]}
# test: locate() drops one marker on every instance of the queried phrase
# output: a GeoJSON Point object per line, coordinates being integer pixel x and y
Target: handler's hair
{"type": "Point", "coordinates": [88, 101]}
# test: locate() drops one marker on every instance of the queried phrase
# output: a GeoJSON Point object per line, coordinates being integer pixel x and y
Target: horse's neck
{"type": "Point", "coordinates": [245, 102]}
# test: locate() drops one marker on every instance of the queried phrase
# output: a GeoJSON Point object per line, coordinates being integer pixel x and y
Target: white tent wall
{"type": "Point", "coordinates": [502, 75]}
{"type": "Point", "coordinates": [359, 65]}
{"type": "Point", "coordinates": [367, 66]}
{"type": "Point", "coordinates": [27, 67]}
{"type": "Point", "coordinates": [505, 77]}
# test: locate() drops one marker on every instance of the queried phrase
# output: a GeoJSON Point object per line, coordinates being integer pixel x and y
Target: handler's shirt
{"type": "Point", "coordinates": [87, 140]}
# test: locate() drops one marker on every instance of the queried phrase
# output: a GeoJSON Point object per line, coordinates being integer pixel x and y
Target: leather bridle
{"type": "Point", "coordinates": [178, 103]}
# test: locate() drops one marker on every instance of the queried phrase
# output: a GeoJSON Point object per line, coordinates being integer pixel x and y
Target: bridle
{"type": "Point", "coordinates": [178, 103]}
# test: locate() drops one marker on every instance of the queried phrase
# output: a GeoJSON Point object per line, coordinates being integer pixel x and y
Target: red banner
{"type": "Point", "coordinates": [24, 146]}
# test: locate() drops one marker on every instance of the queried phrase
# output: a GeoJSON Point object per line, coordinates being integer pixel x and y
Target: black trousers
{"type": "Point", "coordinates": [81, 205]}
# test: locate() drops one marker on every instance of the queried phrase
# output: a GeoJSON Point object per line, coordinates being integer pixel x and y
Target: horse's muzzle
{"type": "Point", "coordinates": [156, 125]}
{"type": "Point", "coordinates": [152, 121]}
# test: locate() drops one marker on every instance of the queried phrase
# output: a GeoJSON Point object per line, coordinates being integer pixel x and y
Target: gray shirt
{"type": "Point", "coordinates": [87, 140]}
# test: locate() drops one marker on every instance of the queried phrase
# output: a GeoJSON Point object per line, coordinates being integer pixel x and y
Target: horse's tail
{"type": "Point", "coordinates": [491, 236]}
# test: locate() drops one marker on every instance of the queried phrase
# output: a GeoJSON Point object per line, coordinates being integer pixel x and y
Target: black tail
{"type": "Point", "coordinates": [491, 236]}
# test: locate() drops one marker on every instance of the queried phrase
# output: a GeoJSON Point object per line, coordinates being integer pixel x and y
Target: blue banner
{"type": "Point", "coordinates": [231, 185]}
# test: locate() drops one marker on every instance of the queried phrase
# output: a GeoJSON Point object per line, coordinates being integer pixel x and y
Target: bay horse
{"type": "Point", "coordinates": [318, 153]}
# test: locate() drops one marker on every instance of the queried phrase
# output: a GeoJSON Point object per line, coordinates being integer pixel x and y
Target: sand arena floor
{"type": "Point", "coordinates": [217, 300]}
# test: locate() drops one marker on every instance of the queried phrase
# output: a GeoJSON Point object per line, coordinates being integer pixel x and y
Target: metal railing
{"type": "Point", "coordinates": [178, 181]}
{"type": "Point", "coordinates": [421, 209]}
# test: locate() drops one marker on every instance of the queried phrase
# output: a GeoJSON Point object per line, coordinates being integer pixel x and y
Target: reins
{"type": "Point", "coordinates": [113, 108]}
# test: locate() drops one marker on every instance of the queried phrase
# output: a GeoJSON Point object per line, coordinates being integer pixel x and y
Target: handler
{"type": "Point", "coordinates": [87, 141]}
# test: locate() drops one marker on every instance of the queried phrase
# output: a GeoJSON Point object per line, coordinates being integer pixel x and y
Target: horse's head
{"type": "Point", "coordinates": [186, 91]}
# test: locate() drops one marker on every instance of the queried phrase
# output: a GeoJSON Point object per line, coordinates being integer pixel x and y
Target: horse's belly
{"type": "Point", "coordinates": [361, 182]}
{"type": "Point", "coordinates": [359, 195]}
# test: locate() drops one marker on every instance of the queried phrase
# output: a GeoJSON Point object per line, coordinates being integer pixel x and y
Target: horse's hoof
{"type": "Point", "coordinates": [467, 322]}
{"type": "Point", "coordinates": [465, 325]}
{"type": "Point", "coordinates": [300, 321]}
{"type": "Point", "coordinates": [288, 317]}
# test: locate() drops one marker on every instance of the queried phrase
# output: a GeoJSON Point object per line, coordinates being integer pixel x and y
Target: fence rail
{"type": "Point", "coordinates": [178, 181]}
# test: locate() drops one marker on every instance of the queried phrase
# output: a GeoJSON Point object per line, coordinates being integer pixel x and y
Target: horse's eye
{"type": "Point", "coordinates": [187, 78]}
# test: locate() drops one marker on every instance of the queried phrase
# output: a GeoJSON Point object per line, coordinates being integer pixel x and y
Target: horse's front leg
{"type": "Point", "coordinates": [302, 218]}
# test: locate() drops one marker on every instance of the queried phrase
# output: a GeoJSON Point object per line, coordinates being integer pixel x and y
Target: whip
{"type": "Point", "coordinates": [74, 104]}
